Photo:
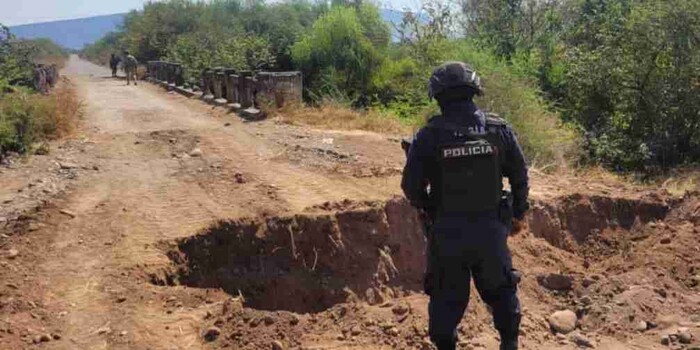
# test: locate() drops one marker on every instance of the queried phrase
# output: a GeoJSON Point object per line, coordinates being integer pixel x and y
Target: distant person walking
{"type": "Point", "coordinates": [130, 65]}
{"type": "Point", "coordinates": [114, 63]}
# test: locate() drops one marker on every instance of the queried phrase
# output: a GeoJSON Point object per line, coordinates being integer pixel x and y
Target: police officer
{"type": "Point", "coordinates": [454, 172]}
{"type": "Point", "coordinates": [113, 64]}
{"type": "Point", "coordinates": [130, 66]}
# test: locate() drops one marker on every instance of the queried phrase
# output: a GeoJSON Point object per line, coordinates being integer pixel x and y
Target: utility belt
{"type": "Point", "coordinates": [503, 211]}
{"type": "Point", "coordinates": [504, 214]}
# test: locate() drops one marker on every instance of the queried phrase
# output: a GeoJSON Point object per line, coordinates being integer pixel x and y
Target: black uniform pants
{"type": "Point", "coordinates": [465, 248]}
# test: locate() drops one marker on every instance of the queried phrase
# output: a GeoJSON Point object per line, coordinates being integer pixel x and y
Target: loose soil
{"type": "Point", "coordinates": [168, 224]}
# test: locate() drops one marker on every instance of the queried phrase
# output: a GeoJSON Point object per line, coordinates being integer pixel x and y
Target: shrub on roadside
{"type": "Point", "coordinates": [27, 118]}
{"type": "Point", "coordinates": [199, 50]}
{"type": "Point", "coordinates": [517, 98]}
{"type": "Point", "coordinates": [341, 52]}
{"type": "Point", "coordinates": [402, 86]}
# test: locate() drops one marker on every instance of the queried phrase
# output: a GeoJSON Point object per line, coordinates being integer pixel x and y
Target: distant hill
{"type": "Point", "coordinates": [76, 33]}
{"type": "Point", "coordinates": [72, 33]}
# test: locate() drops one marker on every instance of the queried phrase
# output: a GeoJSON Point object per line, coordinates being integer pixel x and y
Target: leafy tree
{"type": "Point", "coordinates": [337, 54]}
{"type": "Point", "coordinates": [150, 32]}
{"type": "Point", "coordinates": [16, 60]}
{"type": "Point", "coordinates": [633, 85]}
{"type": "Point", "coordinates": [426, 33]}
{"type": "Point", "coordinates": [424, 42]}
{"type": "Point", "coordinates": [497, 22]}
{"type": "Point", "coordinates": [282, 24]}
{"type": "Point", "coordinates": [199, 50]}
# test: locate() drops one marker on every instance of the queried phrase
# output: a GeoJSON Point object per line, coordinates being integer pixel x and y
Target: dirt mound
{"type": "Point", "coordinates": [654, 274]}
{"type": "Point", "coordinates": [348, 274]}
{"type": "Point", "coordinates": [633, 276]}
{"type": "Point", "coordinates": [570, 221]}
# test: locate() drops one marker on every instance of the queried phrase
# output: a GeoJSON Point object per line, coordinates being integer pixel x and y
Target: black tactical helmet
{"type": "Point", "coordinates": [453, 75]}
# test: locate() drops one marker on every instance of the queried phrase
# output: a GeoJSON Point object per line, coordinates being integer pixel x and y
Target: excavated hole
{"type": "Point", "coordinates": [363, 251]}
{"type": "Point", "coordinates": [307, 262]}
{"type": "Point", "coordinates": [594, 226]}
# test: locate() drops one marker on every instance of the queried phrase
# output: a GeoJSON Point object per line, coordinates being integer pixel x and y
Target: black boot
{"type": "Point", "coordinates": [509, 344]}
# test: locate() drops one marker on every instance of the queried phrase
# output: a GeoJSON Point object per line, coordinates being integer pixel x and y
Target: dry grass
{"type": "Point", "coordinates": [680, 181]}
{"type": "Point", "coordinates": [61, 111]}
{"type": "Point", "coordinates": [335, 116]}
{"type": "Point", "coordinates": [28, 119]}
{"type": "Point", "coordinates": [677, 182]}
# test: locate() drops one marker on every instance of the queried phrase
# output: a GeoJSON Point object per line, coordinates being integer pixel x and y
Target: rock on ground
{"type": "Point", "coordinates": [581, 340]}
{"type": "Point", "coordinates": [197, 152]}
{"type": "Point", "coordinates": [555, 281]}
{"type": "Point", "coordinates": [12, 253]}
{"type": "Point", "coordinates": [563, 321]}
{"type": "Point", "coordinates": [685, 337]}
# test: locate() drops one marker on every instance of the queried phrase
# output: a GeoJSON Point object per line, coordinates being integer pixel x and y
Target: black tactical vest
{"type": "Point", "coordinates": [470, 175]}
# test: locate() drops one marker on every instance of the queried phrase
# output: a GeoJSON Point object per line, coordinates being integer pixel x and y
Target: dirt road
{"type": "Point", "coordinates": [147, 189]}
{"type": "Point", "coordinates": [94, 231]}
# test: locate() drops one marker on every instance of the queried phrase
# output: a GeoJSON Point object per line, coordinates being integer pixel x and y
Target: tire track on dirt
{"type": "Point", "coordinates": [144, 194]}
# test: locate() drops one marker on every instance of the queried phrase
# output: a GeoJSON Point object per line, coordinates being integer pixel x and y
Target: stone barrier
{"type": "Point", "coordinates": [208, 84]}
{"type": "Point", "coordinates": [245, 91]}
{"type": "Point", "coordinates": [228, 87]}
{"type": "Point", "coordinates": [219, 82]}
{"type": "Point", "coordinates": [179, 78]}
{"type": "Point", "coordinates": [169, 75]}
{"type": "Point", "coordinates": [246, 86]}
{"type": "Point", "coordinates": [279, 88]}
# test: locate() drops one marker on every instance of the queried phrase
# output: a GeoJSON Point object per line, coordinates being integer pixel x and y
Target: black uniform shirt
{"type": "Point", "coordinates": [422, 166]}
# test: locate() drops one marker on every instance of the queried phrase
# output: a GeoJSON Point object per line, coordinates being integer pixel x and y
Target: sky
{"type": "Point", "coordinates": [14, 12]}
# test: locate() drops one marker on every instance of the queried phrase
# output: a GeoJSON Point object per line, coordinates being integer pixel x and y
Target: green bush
{"type": "Point", "coordinates": [47, 48]}
{"type": "Point", "coordinates": [27, 117]}
{"type": "Point", "coordinates": [337, 54]}
{"type": "Point", "coordinates": [16, 122]}
{"type": "Point", "coordinates": [16, 61]}
{"type": "Point", "coordinates": [282, 24]}
{"type": "Point", "coordinates": [199, 50]}
{"type": "Point", "coordinates": [510, 91]}
{"type": "Point", "coordinates": [516, 97]}
{"type": "Point", "coordinates": [635, 91]}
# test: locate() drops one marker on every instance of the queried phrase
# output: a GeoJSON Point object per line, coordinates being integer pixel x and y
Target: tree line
{"type": "Point", "coordinates": [605, 81]}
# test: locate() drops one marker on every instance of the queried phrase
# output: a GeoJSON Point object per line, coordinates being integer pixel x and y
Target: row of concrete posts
{"type": "Point", "coordinates": [239, 90]}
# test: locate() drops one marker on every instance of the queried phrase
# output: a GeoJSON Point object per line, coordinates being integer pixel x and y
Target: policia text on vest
{"type": "Point", "coordinates": [469, 148]}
